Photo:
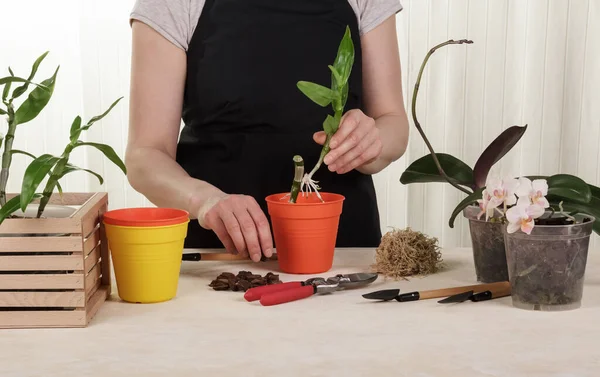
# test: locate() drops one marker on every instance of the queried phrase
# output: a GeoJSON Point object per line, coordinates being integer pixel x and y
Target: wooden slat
{"type": "Point", "coordinates": [41, 226]}
{"type": "Point", "coordinates": [91, 211]}
{"type": "Point", "coordinates": [92, 259]}
{"type": "Point", "coordinates": [91, 241]}
{"type": "Point", "coordinates": [42, 299]}
{"type": "Point", "coordinates": [42, 263]}
{"type": "Point", "coordinates": [104, 254]}
{"type": "Point", "coordinates": [42, 281]}
{"type": "Point", "coordinates": [92, 277]}
{"type": "Point", "coordinates": [91, 290]}
{"type": "Point", "coordinates": [96, 302]}
{"type": "Point", "coordinates": [38, 244]}
{"type": "Point", "coordinates": [37, 319]}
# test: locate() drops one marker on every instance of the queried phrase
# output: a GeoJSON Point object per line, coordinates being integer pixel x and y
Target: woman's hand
{"type": "Point", "coordinates": [240, 224]}
{"type": "Point", "coordinates": [357, 142]}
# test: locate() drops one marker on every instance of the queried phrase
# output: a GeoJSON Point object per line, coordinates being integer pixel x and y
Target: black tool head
{"type": "Point", "coordinates": [385, 295]}
{"type": "Point", "coordinates": [461, 297]}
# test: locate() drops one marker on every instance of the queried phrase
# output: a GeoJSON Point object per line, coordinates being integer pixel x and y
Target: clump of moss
{"type": "Point", "coordinates": [404, 252]}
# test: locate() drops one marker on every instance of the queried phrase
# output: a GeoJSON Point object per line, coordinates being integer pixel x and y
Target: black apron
{"type": "Point", "coordinates": [245, 119]}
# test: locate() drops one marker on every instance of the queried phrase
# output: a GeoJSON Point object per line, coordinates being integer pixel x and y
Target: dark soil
{"type": "Point", "coordinates": [489, 252]}
{"type": "Point", "coordinates": [546, 271]}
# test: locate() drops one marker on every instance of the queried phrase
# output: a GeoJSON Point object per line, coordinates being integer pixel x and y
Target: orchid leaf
{"type": "Point", "coordinates": [592, 208]}
{"type": "Point", "coordinates": [569, 187]}
{"type": "Point", "coordinates": [34, 174]}
{"type": "Point", "coordinates": [424, 170]}
{"type": "Point", "coordinates": [319, 94]}
{"type": "Point", "coordinates": [495, 151]}
{"type": "Point", "coordinates": [469, 200]}
{"type": "Point", "coordinates": [344, 59]}
{"type": "Point", "coordinates": [12, 206]}
{"type": "Point", "coordinates": [330, 125]}
{"type": "Point", "coordinates": [36, 101]}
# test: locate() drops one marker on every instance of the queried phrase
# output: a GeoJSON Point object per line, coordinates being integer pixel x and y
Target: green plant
{"type": "Point", "coordinates": [336, 96]}
{"type": "Point", "coordinates": [29, 109]}
{"type": "Point", "coordinates": [565, 192]}
{"type": "Point", "coordinates": [56, 167]}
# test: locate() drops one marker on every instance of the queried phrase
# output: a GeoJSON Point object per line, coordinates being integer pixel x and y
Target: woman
{"type": "Point", "coordinates": [229, 69]}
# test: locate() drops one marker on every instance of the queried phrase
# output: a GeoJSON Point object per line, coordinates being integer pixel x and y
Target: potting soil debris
{"type": "Point", "coordinates": [406, 252]}
{"type": "Point", "coordinates": [243, 281]}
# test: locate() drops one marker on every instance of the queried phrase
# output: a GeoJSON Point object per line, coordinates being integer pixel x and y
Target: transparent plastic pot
{"type": "Point", "coordinates": [547, 267]}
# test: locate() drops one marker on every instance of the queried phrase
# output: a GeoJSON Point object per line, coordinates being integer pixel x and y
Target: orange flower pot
{"type": "Point", "coordinates": [305, 232]}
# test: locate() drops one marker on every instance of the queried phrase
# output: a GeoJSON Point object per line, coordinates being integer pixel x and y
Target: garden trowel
{"type": "Point", "coordinates": [394, 294]}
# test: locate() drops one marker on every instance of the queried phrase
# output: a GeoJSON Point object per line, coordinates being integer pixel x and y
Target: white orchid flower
{"type": "Point", "coordinates": [483, 206]}
{"type": "Point", "coordinates": [522, 216]}
{"type": "Point", "coordinates": [502, 192]}
{"type": "Point", "coordinates": [536, 191]}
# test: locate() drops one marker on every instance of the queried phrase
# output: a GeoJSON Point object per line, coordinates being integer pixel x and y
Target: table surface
{"type": "Point", "coordinates": [220, 334]}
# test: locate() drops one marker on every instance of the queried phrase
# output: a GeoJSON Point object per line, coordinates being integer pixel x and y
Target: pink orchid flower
{"type": "Point", "coordinates": [536, 191]}
{"type": "Point", "coordinates": [522, 216]}
{"type": "Point", "coordinates": [483, 206]}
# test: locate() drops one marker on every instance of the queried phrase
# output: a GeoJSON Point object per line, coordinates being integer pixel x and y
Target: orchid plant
{"type": "Point", "coordinates": [518, 201]}
{"type": "Point", "coordinates": [336, 96]}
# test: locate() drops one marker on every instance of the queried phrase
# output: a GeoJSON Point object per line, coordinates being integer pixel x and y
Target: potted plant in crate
{"type": "Point", "coordinates": [304, 210]}
{"type": "Point", "coordinates": [54, 265]}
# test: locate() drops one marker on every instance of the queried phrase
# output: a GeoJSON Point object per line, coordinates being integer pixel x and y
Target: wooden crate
{"type": "Point", "coordinates": [55, 272]}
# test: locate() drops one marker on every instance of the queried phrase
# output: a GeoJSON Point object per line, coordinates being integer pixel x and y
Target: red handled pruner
{"type": "Point", "coordinates": [291, 291]}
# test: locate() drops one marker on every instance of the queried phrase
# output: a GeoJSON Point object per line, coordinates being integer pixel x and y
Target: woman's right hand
{"type": "Point", "coordinates": [240, 224]}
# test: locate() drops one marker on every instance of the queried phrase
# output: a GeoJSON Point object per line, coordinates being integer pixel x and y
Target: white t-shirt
{"type": "Point", "coordinates": [176, 19]}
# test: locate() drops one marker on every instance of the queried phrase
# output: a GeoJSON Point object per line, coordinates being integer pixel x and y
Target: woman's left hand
{"type": "Point", "coordinates": [357, 142]}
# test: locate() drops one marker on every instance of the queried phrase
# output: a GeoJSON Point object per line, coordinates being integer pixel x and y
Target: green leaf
{"type": "Point", "coordinates": [99, 117]}
{"type": "Point", "coordinates": [71, 168]}
{"type": "Point", "coordinates": [495, 151]}
{"type": "Point", "coordinates": [75, 131]}
{"type": "Point", "coordinates": [36, 101]}
{"type": "Point", "coordinates": [330, 125]}
{"type": "Point", "coordinates": [569, 187]}
{"type": "Point", "coordinates": [11, 79]}
{"type": "Point", "coordinates": [12, 206]}
{"type": "Point", "coordinates": [109, 152]}
{"type": "Point", "coordinates": [336, 75]}
{"type": "Point", "coordinates": [18, 151]}
{"type": "Point", "coordinates": [424, 170]}
{"type": "Point", "coordinates": [3, 112]}
{"type": "Point", "coordinates": [319, 94]}
{"type": "Point", "coordinates": [34, 174]}
{"type": "Point", "coordinates": [469, 200]}
{"type": "Point", "coordinates": [345, 57]}
{"type": "Point", "coordinates": [23, 88]}
{"type": "Point", "coordinates": [591, 208]}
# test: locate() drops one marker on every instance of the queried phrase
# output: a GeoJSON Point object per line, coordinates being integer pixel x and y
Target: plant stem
{"type": "Point", "coordinates": [57, 172]}
{"type": "Point", "coordinates": [7, 154]}
{"type": "Point", "coordinates": [324, 152]}
{"type": "Point", "coordinates": [414, 112]}
{"type": "Point", "coordinates": [299, 173]}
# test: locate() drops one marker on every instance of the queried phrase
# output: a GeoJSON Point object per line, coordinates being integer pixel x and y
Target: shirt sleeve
{"type": "Point", "coordinates": [373, 12]}
{"type": "Point", "coordinates": [170, 18]}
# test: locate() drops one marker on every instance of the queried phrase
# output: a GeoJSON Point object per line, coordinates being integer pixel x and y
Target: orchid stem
{"type": "Point", "coordinates": [414, 112]}
{"type": "Point", "coordinates": [299, 173]}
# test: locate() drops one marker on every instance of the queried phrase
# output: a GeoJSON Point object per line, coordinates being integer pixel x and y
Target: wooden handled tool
{"type": "Point", "coordinates": [394, 294]}
{"type": "Point", "coordinates": [496, 291]}
{"type": "Point", "coordinates": [221, 257]}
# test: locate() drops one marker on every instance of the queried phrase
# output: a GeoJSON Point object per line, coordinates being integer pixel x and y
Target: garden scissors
{"type": "Point", "coordinates": [295, 290]}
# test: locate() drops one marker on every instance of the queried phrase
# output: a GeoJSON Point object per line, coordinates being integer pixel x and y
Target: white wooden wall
{"type": "Point", "coordinates": [533, 62]}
